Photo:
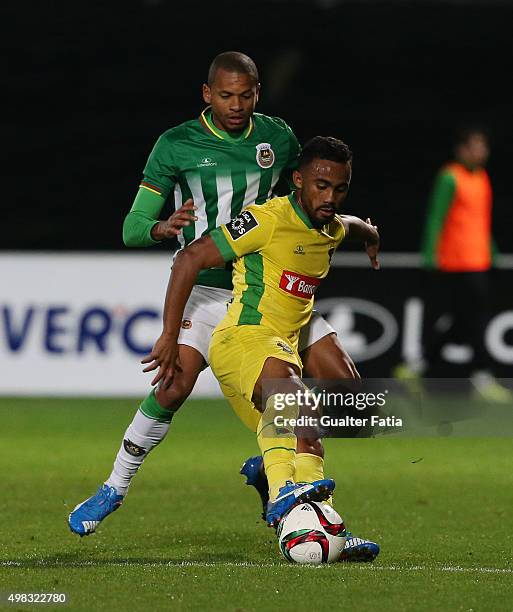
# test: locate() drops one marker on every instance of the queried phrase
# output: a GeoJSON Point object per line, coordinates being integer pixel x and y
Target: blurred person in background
{"type": "Point", "coordinates": [458, 249]}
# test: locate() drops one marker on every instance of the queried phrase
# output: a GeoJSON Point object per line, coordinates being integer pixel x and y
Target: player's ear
{"type": "Point", "coordinates": [297, 178]}
{"type": "Point", "coordinates": [207, 94]}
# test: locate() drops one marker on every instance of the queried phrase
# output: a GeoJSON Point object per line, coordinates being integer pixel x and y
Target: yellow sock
{"type": "Point", "coordinates": [278, 451]}
{"type": "Point", "coordinates": [309, 468]}
{"type": "Point", "coordinates": [279, 468]}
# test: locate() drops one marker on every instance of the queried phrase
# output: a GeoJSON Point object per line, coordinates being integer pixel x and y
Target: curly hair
{"type": "Point", "coordinates": [325, 147]}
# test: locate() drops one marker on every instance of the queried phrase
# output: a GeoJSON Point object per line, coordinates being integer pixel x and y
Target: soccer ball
{"type": "Point", "coordinates": [312, 533]}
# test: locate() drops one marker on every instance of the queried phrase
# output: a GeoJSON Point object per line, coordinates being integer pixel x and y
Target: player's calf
{"type": "Point", "coordinates": [171, 398]}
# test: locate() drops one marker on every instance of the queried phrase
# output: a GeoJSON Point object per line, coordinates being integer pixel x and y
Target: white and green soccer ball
{"type": "Point", "coordinates": [312, 533]}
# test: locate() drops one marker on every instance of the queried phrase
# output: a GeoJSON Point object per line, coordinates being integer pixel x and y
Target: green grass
{"type": "Point", "coordinates": [188, 536]}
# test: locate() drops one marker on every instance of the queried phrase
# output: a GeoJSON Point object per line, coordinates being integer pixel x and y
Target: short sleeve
{"type": "Point", "coordinates": [248, 233]}
{"type": "Point", "coordinates": [160, 172]}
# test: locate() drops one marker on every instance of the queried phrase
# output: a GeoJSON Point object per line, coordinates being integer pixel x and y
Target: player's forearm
{"type": "Point", "coordinates": [200, 255]}
{"type": "Point", "coordinates": [142, 218]}
{"type": "Point", "coordinates": [360, 231]}
{"type": "Point", "coordinates": [137, 230]}
{"type": "Point", "coordinates": [439, 204]}
{"type": "Point", "coordinates": [183, 276]}
{"type": "Point", "coordinates": [432, 232]}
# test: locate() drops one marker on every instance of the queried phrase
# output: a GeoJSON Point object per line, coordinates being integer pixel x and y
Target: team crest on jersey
{"type": "Point", "coordinates": [299, 250]}
{"type": "Point", "coordinates": [186, 324]}
{"type": "Point", "coordinates": [298, 284]}
{"type": "Point", "coordinates": [264, 155]}
{"type": "Point", "coordinates": [241, 225]}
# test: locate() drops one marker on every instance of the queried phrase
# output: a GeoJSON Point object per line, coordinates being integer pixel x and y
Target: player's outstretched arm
{"type": "Point", "coordinates": [363, 231]}
{"type": "Point", "coordinates": [201, 254]}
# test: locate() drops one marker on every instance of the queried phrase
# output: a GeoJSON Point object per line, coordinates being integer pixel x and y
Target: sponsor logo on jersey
{"type": "Point", "coordinates": [186, 324]}
{"type": "Point", "coordinates": [241, 225]}
{"type": "Point", "coordinates": [133, 449]}
{"type": "Point", "coordinates": [285, 347]}
{"type": "Point", "coordinates": [299, 250]}
{"type": "Point", "coordinates": [206, 162]}
{"type": "Point", "coordinates": [298, 284]}
{"type": "Point", "coordinates": [265, 155]}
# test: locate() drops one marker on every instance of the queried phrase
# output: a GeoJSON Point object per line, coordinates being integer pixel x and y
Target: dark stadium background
{"type": "Point", "coordinates": [91, 86]}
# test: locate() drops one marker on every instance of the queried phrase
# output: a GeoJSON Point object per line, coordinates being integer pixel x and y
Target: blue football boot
{"type": "Point", "coordinates": [292, 494]}
{"type": "Point", "coordinates": [358, 550]}
{"type": "Point", "coordinates": [90, 513]}
{"type": "Point", "coordinates": [253, 469]}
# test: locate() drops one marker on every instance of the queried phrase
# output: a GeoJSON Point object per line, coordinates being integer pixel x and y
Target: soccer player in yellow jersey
{"type": "Point", "coordinates": [281, 252]}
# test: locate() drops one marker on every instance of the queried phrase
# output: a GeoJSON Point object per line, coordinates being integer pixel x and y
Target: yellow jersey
{"type": "Point", "coordinates": [279, 261]}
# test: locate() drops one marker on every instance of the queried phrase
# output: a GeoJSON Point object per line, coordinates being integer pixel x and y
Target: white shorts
{"type": "Point", "coordinates": [208, 305]}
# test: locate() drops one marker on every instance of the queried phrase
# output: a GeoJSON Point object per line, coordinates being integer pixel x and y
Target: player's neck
{"type": "Point", "coordinates": [217, 124]}
{"type": "Point", "coordinates": [209, 125]}
{"type": "Point", "coordinates": [299, 202]}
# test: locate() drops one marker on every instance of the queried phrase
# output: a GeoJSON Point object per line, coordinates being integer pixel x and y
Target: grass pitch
{"type": "Point", "coordinates": [188, 536]}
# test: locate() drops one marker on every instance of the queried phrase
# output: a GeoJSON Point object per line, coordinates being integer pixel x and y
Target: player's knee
{"type": "Point", "coordinates": [172, 397]}
{"type": "Point", "coordinates": [312, 446]}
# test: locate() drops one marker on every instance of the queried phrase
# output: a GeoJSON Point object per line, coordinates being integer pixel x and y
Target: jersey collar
{"type": "Point", "coordinates": [299, 211]}
{"type": "Point", "coordinates": [206, 121]}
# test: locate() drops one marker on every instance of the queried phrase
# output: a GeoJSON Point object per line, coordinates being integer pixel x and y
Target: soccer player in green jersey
{"type": "Point", "coordinates": [210, 168]}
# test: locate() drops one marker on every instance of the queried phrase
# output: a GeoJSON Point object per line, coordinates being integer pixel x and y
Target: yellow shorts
{"type": "Point", "coordinates": [237, 355]}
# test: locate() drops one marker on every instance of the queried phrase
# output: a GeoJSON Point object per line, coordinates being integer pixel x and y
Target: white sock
{"type": "Point", "coordinates": [142, 435]}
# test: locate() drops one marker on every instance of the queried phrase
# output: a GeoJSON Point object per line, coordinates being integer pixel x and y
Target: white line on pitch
{"type": "Point", "coordinates": [444, 568]}
{"type": "Point", "coordinates": [164, 563]}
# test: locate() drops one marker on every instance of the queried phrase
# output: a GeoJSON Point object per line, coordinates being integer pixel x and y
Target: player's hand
{"type": "Point", "coordinates": [163, 356]}
{"type": "Point", "coordinates": [177, 221]}
{"type": "Point", "coordinates": [372, 246]}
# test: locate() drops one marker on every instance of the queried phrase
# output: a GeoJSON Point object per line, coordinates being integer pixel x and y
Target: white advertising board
{"type": "Point", "coordinates": [79, 324]}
